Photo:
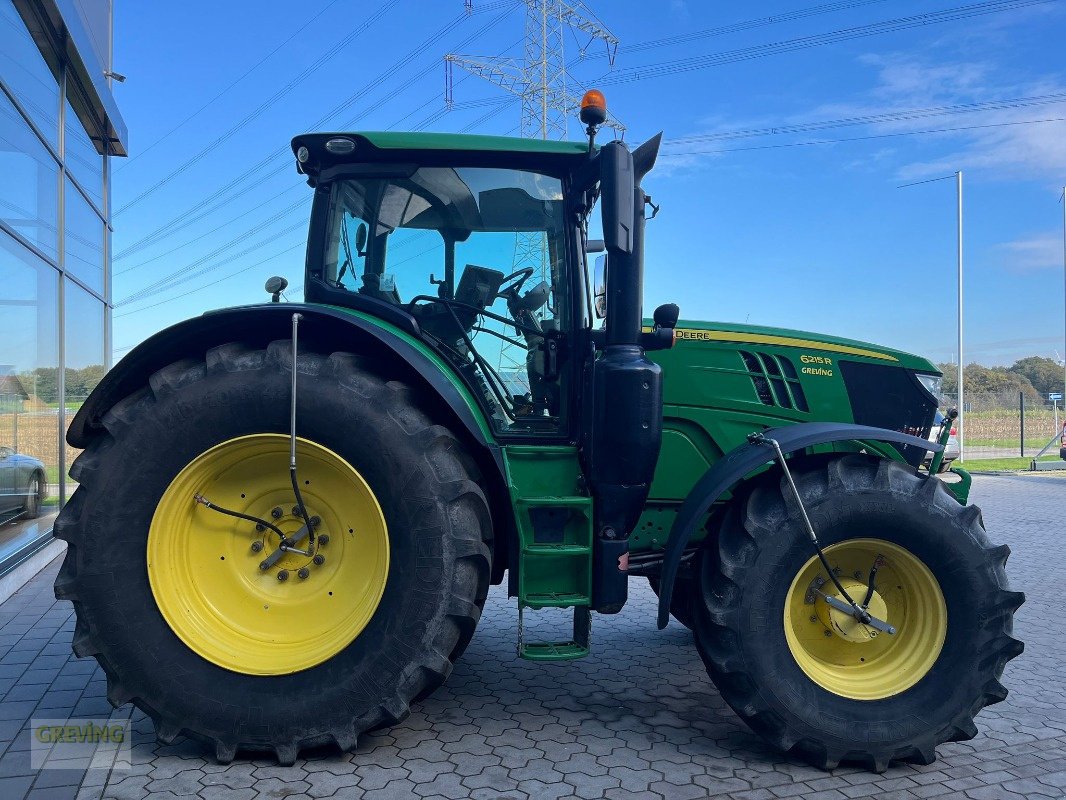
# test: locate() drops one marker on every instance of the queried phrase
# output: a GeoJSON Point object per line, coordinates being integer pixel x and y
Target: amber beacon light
{"type": "Point", "coordinates": [593, 108]}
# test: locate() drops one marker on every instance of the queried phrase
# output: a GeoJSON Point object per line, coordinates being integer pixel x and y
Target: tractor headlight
{"type": "Point", "coordinates": [932, 383]}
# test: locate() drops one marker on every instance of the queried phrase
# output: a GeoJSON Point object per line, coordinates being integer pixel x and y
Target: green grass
{"type": "Point", "coordinates": [1037, 442]}
{"type": "Point", "coordinates": [998, 464]}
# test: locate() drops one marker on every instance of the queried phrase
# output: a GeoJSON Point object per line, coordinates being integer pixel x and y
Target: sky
{"type": "Point", "coordinates": [788, 127]}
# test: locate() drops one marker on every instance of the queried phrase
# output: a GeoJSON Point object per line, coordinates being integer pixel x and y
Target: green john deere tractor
{"type": "Point", "coordinates": [289, 515]}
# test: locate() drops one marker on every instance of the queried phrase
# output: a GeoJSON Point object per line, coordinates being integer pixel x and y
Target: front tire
{"type": "Point", "coordinates": [849, 696]}
{"type": "Point", "coordinates": [135, 546]}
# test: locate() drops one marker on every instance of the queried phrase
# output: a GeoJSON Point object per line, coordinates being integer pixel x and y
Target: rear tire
{"type": "Point", "coordinates": [744, 637]}
{"type": "Point", "coordinates": [34, 497]}
{"type": "Point", "coordinates": [439, 536]}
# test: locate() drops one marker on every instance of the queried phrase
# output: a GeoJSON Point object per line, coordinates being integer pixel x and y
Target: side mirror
{"type": "Point", "coordinates": [666, 315]}
{"type": "Point", "coordinates": [599, 287]}
{"type": "Point", "coordinates": [617, 185]}
{"type": "Point", "coordinates": [360, 239]}
{"type": "Point", "coordinates": [275, 286]}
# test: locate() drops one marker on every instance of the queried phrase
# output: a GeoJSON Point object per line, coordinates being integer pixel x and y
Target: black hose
{"type": "Point", "coordinates": [303, 511]}
{"type": "Point", "coordinates": [205, 502]}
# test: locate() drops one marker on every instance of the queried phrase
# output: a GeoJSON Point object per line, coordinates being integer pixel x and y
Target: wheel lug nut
{"type": "Point", "coordinates": [260, 527]}
{"type": "Point", "coordinates": [257, 546]}
{"type": "Point", "coordinates": [284, 575]}
{"type": "Point", "coordinates": [858, 575]}
{"type": "Point", "coordinates": [827, 633]}
{"type": "Point", "coordinates": [323, 539]}
{"type": "Point", "coordinates": [264, 566]}
{"type": "Point", "coordinates": [276, 512]}
{"type": "Point", "coordinates": [296, 511]}
{"type": "Point", "coordinates": [316, 521]}
{"type": "Point", "coordinates": [304, 572]}
{"type": "Point", "coordinates": [319, 559]}
{"type": "Point", "coordinates": [814, 618]}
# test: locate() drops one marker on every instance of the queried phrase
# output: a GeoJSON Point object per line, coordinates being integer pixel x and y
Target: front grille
{"type": "Point", "coordinates": [775, 380]}
{"type": "Point", "coordinates": [889, 397]}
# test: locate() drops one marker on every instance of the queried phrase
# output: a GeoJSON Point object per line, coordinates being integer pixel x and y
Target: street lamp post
{"type": "Point", "coordinates": [958, 209]}
{"type": "Point", "coordinates": [962, 415]}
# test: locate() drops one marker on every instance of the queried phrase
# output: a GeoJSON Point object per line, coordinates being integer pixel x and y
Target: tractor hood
{"type": "Point", "coordinates": [751, 375]}
{"type": "Point", "coordinates": [695, 330]}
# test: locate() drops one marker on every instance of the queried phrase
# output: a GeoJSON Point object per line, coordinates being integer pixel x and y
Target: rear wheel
{"type": "Point", "coordinates": [197, 618]}
{"type": "Point", "coordinates": [34, 495]}
{"type": "Point", "coordinates": [813, 680]}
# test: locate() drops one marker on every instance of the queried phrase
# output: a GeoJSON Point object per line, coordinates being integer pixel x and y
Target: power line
{"type": "Point", "coordinates": [127, 161]}
{"type": "Point", "coordinates": [205, 234]}
{"type": "Point", "coordinates": [872, 119]}
{"type": "Point", "coordinates": [806, 42]}
{"type": "Point", "coordinates": [268, 259]}
{"type": "Point", "coordinates": [863, 138]}
{"type": "Point", "coordinates": [184, 276]}
{"type": "Point", "coordinates": [745, 25]}
{"type": "Point", "coordinates": [220, 198]}
{"type": "Point", "coordinates": [262, 107]}
{"type": "Point", "coordinates": [240, 237]}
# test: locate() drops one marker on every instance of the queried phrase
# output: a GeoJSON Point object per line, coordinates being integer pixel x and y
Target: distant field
{"type": "Point", "coordinates": [37, 436]}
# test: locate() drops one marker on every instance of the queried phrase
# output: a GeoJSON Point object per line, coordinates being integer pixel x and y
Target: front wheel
{"type": "Point", "coordinates": [815, 681]}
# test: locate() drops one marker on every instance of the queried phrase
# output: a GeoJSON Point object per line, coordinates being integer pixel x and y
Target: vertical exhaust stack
{"type": "Point", "coordinates": [625, 430]}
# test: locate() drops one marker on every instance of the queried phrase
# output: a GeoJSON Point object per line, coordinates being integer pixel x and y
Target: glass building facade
{"type": "Point", "coordinates": [59, 129]}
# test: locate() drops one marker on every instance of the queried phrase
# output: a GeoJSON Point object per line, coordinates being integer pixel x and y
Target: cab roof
{"type": "Point", "coordinates": [438, 149]}
{"type": "Point", "coordinates": [401, 140]}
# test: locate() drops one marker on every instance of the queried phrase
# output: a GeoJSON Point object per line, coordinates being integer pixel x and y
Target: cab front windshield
{"type": "Point", "coordinates": [476, 255]}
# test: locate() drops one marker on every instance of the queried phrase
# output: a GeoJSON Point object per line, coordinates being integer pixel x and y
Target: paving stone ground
{"type": "Point", "coordinates": [638, 719]}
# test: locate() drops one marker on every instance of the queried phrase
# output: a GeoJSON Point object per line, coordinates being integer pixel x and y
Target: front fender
{"type": "Point", "coordinates": [742, 461]}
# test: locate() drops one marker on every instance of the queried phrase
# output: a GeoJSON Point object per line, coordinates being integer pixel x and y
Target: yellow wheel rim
{"type": "Point", "coordinates": [204, 566]}
{"type": "Point", "coordinates": [853, 660]}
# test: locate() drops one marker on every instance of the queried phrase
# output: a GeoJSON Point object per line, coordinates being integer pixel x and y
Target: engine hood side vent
{"type": "Point", "coordinates": [775, 380]}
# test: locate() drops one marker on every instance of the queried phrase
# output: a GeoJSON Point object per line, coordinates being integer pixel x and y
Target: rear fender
{"type": "Point", "coordinates": [440, 390]}
{"type": "Point", "coordinates": [744, 460]}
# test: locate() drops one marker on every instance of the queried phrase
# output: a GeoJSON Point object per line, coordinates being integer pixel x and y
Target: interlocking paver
{"type": "Point", "coordinates": [638, 720]}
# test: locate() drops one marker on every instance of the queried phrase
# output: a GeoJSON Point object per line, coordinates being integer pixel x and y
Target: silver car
{"type": "Point", "coordinates": [23, 487]}
{"type": "Point", "coordinates": [951, 449]}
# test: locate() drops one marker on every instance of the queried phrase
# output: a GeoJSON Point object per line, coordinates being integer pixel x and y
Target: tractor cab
{"type": "Point", "coordinates": [476, 260]}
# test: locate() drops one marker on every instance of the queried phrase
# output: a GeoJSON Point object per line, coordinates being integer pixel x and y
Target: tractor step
{"type": "Point", "coordinates": [574, 648]}
{"type": "Point", "coordinates": [554, 519]}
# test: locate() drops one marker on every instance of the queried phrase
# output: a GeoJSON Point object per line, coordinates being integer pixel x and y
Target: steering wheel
{"type": "Point", "coordinates": [518, 278]}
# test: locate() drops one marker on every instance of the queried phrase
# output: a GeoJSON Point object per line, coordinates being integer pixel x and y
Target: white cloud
{"type": "Point", "coordinates": [679, 10]}
{"type": "Point", "coordinates": [1038, 252]}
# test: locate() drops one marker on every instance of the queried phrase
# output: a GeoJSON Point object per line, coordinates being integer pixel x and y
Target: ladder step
{"type": "Point", "coordinates": [574, 648]}
{"type": "Point", "coordinates": [556, 550]}
{"type": "Point", "coordinates": [549, 651]}
{"type": "Point", "coordinates": [556, 600]}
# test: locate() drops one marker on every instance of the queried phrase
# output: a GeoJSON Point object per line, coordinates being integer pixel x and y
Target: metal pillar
{"type": "Point", "coordinates": [962, 414]}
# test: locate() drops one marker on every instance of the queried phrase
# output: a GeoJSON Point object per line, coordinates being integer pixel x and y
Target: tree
{"type": "Point", "coordinates": [982, 380]}
{"type": "Point", "coordinates": [1045, 374]}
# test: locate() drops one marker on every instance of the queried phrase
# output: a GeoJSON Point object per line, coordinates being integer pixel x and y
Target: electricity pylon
{"type": "Point", "coordinates": [539, 80]}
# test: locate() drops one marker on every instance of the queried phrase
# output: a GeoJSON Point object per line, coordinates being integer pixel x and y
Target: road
{"type": "Point", "coordinates": [638, 719]}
